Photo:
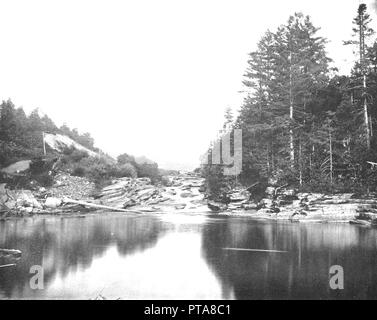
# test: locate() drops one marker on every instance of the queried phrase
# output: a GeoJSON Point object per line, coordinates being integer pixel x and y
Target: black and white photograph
{"type": "Point", "coordinates": [173, 150]}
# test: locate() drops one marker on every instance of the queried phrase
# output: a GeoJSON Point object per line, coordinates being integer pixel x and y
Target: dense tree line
{"type": "Point", "coordinates": [302, 123]}
{"type": "Point", "coordinates": [21, 134]}
{"type": "Point", "coordinates": [21, 138]}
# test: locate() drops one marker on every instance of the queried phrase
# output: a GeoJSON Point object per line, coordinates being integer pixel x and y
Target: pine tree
{"type": "Point", "coordinates": [302, 69]}
{"type": "Point", "coordinates": [284, 75]}
{"type": "Point", "coordinates": [362, 31]}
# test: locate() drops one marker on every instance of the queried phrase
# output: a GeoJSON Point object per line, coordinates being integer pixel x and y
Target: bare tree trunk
{"type": "Point", "coordinates": [272, 160]}
{"type": "Point", "coordinates": [331, 159]}
{"type": "Point", "coordinates": [291, 143]}
{"type": "Point", "coordinates": [300, 162]}
{"type": "Point", "coordinates": [44, 143]}
{"type": "Point", "coordinates": [362, 64]}
{"type": "Point", "coordinates": [268, 161]}
{"type": "Point", "coordinates": [371, 125]}
{"type": "Point", "coordinates": [366, 116]}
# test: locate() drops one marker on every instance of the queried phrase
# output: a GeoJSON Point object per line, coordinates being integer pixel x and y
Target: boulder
{"type": "Point", "coordinates": [25, 198]}
{"type": "Point", "coordinates": [10, 204]}
{"type": "Point", "coordinates": [239, 196]}
{"type": "Point", "coordinates": [270, 191]}
{"type": "Point", "coordinates": [266, 203]}
{"type": "Point", "coordinates": [284, 202]}
{"type": "Point", "coordinates": [216, 206]}
{"type": "Point", "coordinates": [129, 202]}
{"type": "Point", "coordinates": [275, 177]}
{"type": "Point", "coordinates": [52, 202]}
{"type": "Point", "coordinates": [264, 211]}
{"type": "Point", "coordinates": [313, 197]}
{"type": "Point", "coordinates": [286, 199]}
{"type": "Point", "coordinates": [249, 206]}
{"type": "Point", "coordinates": [17, 167]}
{"type": "Point", "coordinates": [27, 210]}
{"type": "Point", "coordinates": [3, 194]}
{"type": "Point", "coordinates": [288, 193]}
{"type": "Point", "coordinates": [235, 205]}
{"type": "Point", "coordinates": [187, 195]}
{"type": "Point", "coordinates": [144, 180]}
{"type": "Point", "coordinates": [299, 213]}
{"type": "Point", "coordinates": [146, 194]}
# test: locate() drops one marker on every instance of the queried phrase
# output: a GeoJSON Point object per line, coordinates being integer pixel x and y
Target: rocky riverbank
{"type": "Point", "coordinates": [185, 193]}
{"type": "Point", "coordinates": [182, 192]}
{"type": "Point", "coordinates": [70, 194]}
{"type": "Point", "coordinates": [280, 203]}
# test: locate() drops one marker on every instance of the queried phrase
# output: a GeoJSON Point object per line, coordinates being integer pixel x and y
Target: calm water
{"type": "Point", "coordinates": [183, 257]}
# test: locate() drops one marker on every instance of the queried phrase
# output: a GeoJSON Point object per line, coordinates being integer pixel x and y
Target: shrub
{"type": "Point", "coordinates": [44, 179]}
{"type": "Point", "coordinates": [127, 170]}
{"type": "Point", "coordinates": [149, 170]}
{"type": "Point", "coordinates": [79, 171]}
{"type": "Point", "coordinates": [78, 155]}
{"type": "Point", "coordinates": [216, 182]}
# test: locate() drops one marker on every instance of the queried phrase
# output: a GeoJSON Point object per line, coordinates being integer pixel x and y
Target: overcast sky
{"type": "Point", "coordinates": [146, 77]}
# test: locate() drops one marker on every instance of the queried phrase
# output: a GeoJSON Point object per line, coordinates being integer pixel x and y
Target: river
{"type": "Point", "coordinates": [177, 256]}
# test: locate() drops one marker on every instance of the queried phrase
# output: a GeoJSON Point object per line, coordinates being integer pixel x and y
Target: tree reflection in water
{"type": "Point", "coordinates": [186, 257]}
{"type": "Point", "coordinates": [300, 273]}
{"type": "Point", "coordinates": [62, 245]}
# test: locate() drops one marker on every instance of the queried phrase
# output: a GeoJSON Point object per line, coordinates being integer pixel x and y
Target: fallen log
{"type": "Point", "coordinates": [98, 206]}
{"type": "Point", "coordinates": [252, 186]}
{"type": "Point", "coordinates": [332, 201]}
{"type": "Point", "coordinates": [346, 201]}
{"type": "Point", "coordinates": [8, 265]}
{"type": "Point", "coordinates": [254, 250]}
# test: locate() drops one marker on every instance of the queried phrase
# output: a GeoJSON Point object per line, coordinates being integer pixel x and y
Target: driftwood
{"type": "Point", "coordinates": [252, 186]}
{"type": "Point", "coordinates": [344, 201]}
{"type": "Point", "coordinates": [8, 265]}
{"type": "Point", "coordinates": [98, 206]}
{"type": "Point", "coordinates": [254, 250]}
{"type": "Point", "coordinates": [373, 164]}
{"type": "Point", "coordinates": [10, 252]}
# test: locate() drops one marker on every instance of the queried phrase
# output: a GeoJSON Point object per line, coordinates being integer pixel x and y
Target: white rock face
{"type": "Point", "coordinates": [59, 142]}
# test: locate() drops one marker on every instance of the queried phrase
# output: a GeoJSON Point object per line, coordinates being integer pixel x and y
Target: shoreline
{"type": "Point", "coordinates": [248, 214]}
{"type": "Point", "coordinates": [185, 194]}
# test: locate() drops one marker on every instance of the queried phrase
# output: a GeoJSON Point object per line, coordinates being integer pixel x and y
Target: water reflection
{"type": "Point", "coordinates": [302, 272]}
{"type": "Point", "coordinates": [66, 245]}
{"type": "Point", "coordinates": [182, 257]}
